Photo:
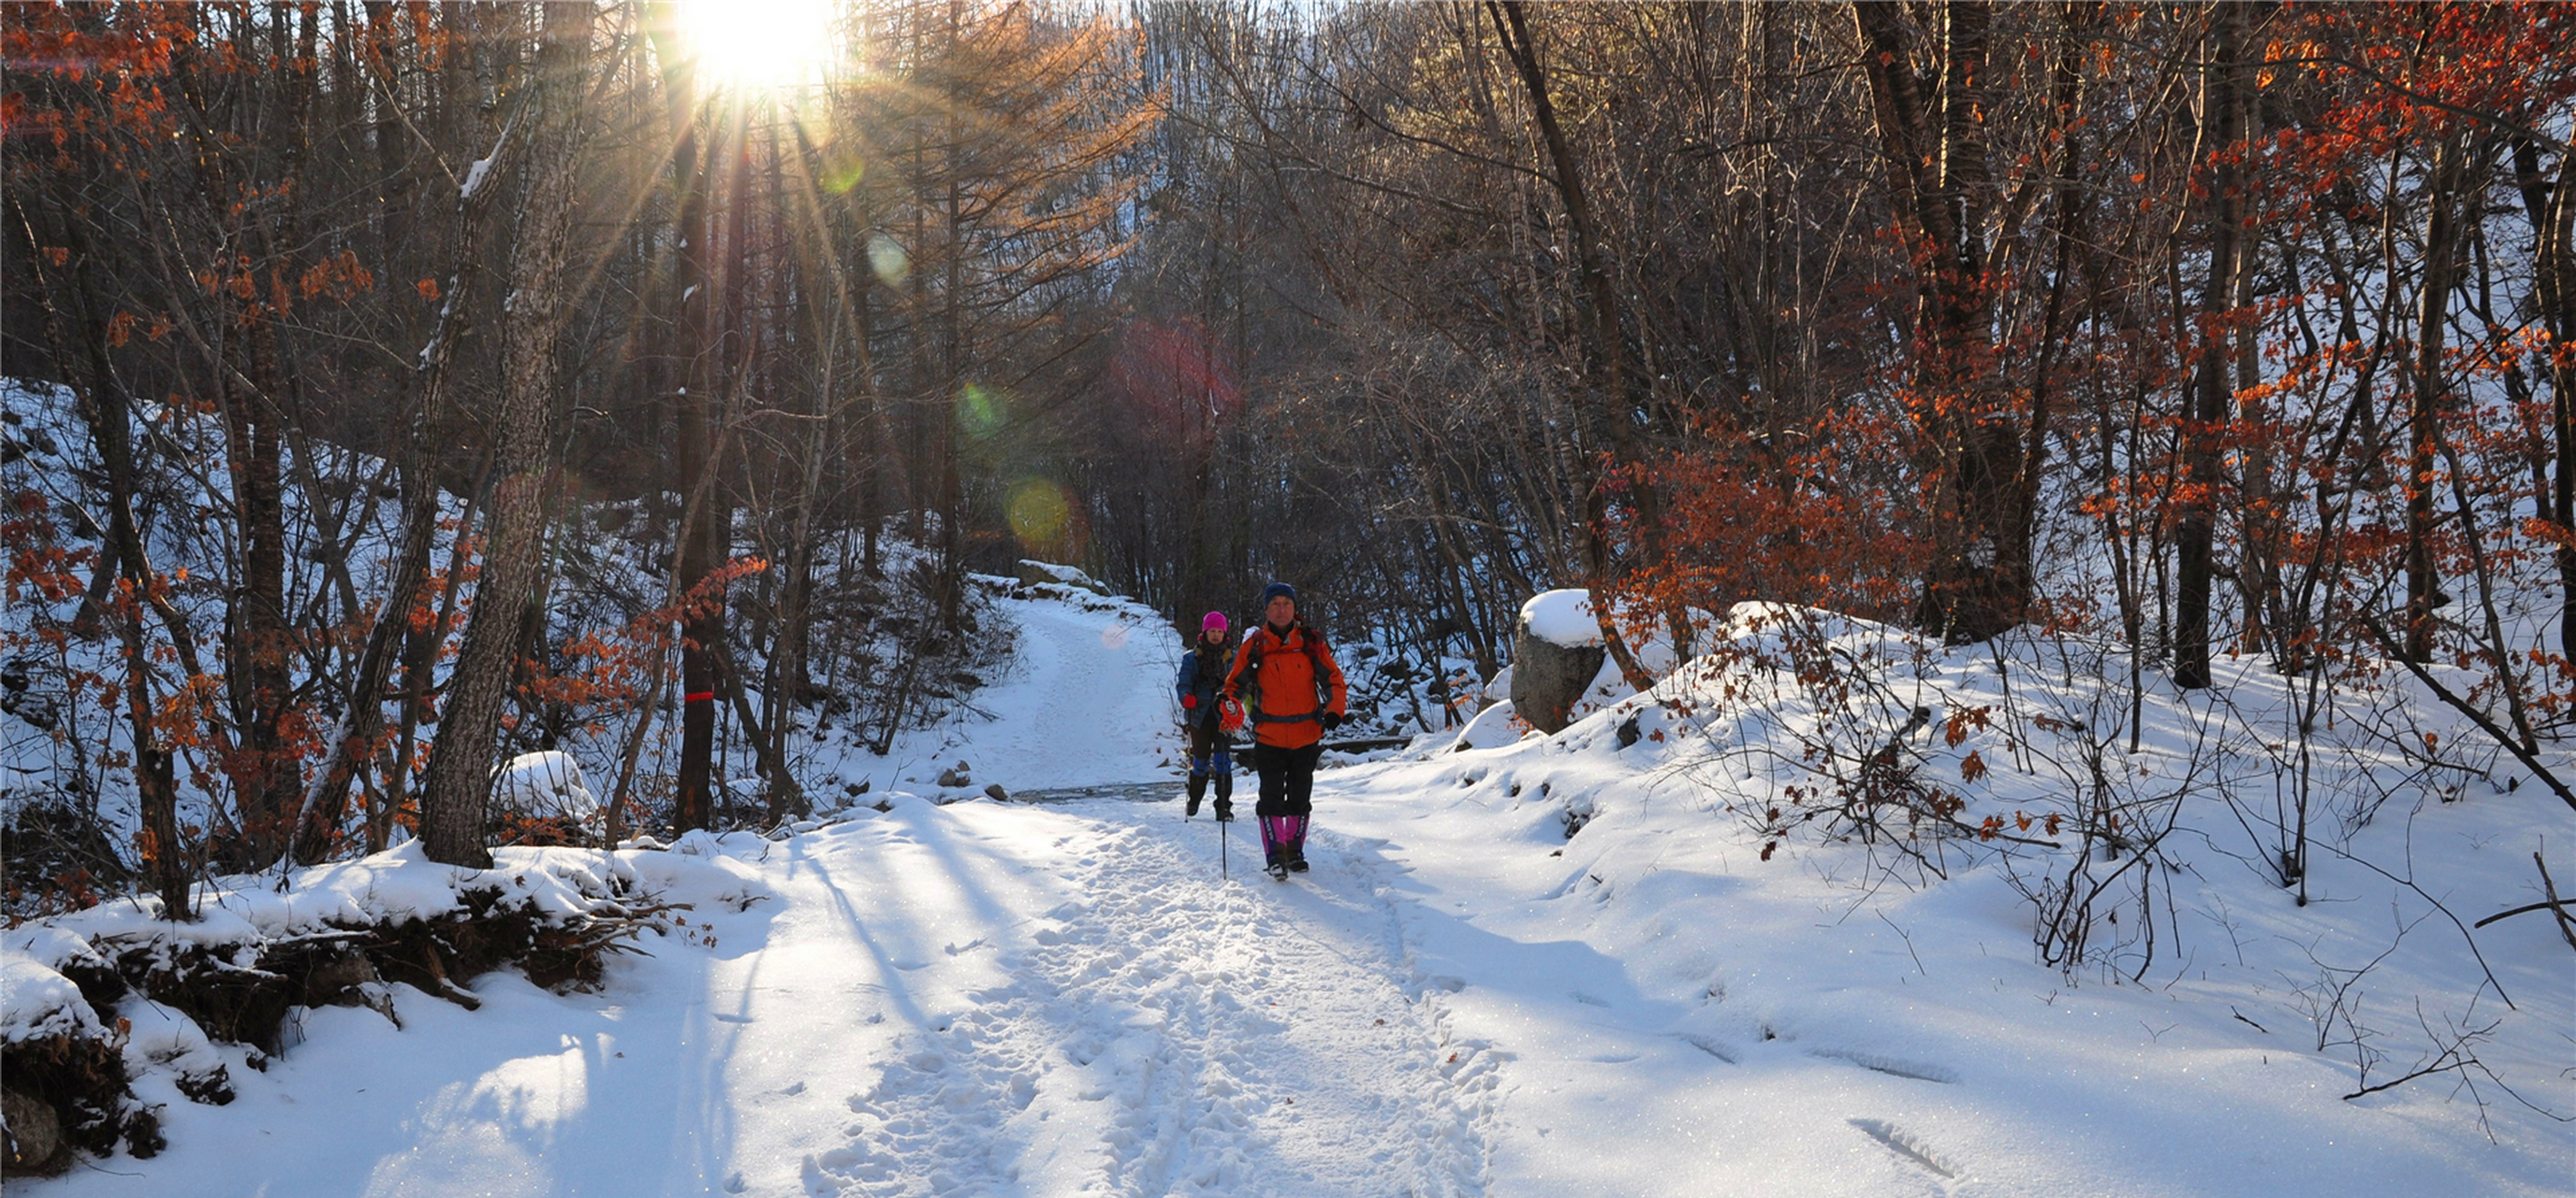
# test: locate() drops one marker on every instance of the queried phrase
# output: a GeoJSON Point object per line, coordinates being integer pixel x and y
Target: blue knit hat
{"type": "Point", "coordinates": [1276, 590]}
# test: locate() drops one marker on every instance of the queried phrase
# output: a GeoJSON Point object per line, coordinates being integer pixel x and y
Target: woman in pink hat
{"type": "Point", "coordinates": [1201, 683]}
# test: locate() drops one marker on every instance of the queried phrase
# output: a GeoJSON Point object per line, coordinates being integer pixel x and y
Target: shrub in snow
{"type": "Point", "coordinates": [61, 856]}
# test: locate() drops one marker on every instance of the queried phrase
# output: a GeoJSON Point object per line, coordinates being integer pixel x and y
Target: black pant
{"type": "Point", "coordinates": [1287, 779]}
{"type": "Point", "coordinates": [1207, 742]}
{"type": "Point", "coordinates": [1211, 755]}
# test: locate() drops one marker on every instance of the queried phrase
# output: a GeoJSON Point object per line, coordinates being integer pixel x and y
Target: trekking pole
{"type": "Point", "coordinates": [1224, 868]}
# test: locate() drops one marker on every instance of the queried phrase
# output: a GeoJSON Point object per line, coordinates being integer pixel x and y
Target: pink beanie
{"type": "Point", "coordinates": [1215, 622]}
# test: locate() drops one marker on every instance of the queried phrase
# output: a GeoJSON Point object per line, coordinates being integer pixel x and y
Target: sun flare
{"type": "Point", "coordinates": [759, 43]}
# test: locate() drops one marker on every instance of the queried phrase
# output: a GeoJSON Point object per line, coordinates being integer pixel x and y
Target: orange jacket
{"type": "Point", "coordinates": [1286, 677]}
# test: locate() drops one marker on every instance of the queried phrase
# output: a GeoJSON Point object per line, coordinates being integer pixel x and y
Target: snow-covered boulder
{"type": "Point", "coordinates": [1038, 573]}
{"type": "Point", "coordinates": [545, 785]}
{"type": "Point", "coordinates": [35, 1132]}
{"type": "Point", "coordinates": [1556, 653]}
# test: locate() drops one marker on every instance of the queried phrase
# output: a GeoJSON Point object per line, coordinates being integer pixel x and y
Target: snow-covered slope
{"type": "Point", "coordinates": [1673, 1016]}
{"type": "Point", "coordinates": [1686, 995]}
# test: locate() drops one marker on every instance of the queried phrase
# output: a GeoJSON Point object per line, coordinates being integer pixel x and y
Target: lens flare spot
{"type": "Point", "coordinates": [1114, 636]}
{"type": "Point", "coordinates": [979, 410]}
{"type": "Point", "coordinates": [841, 170]}
{"type": "Point", "coordinates": [1176, 378]}
{"type": "Point", "coordinates": [886, 256]}
{"type": "Point", "coordinates": [1041, 515]}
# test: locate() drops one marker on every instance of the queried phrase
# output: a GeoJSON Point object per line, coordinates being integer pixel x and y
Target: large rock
{"type": "Point", "coordinates": [1553, 660]}
{"type": "Point", "coordinates": [1037, 573]}
{"type": "Point", "coordinates": [35, 1135]}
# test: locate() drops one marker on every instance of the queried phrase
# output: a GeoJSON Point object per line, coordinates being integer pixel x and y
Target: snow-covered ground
{"type": "Point", "coordinates": [1460, 999]}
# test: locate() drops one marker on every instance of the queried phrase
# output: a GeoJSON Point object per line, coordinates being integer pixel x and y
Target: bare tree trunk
{"type": "Point", "coordinates": [260, 638]}
{"type": "Point", "coordinates": [461, 763]}
{"type": "Point", "coordinates": [2424, 411]}
{"type": "Point", "coordinates": [420, 667]}
{"type": "Point", "coordinates": [2213, 394]}
{"type": "Point", "coordinates": [792, 628]}
{"type": "Point", "coordinates": [326, 804]}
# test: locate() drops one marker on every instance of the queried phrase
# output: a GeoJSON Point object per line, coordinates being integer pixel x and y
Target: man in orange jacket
{"type": "Point", "coordinates": [1297, 695]}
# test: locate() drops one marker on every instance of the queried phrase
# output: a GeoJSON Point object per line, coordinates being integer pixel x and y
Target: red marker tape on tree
{"type": "Point", "coordinates": [701, 696]}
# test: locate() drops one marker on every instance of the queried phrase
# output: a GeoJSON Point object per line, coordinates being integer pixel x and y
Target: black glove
{"type": "Point", "coordinates": [1331, 721]}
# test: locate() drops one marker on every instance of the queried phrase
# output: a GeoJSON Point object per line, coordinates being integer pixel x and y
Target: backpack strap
{"type": "Point", "coordinates": [1314, 646]}
{"type": "Point", "coordinates": [1312, 643]}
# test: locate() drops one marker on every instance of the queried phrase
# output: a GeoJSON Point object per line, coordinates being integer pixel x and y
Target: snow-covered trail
{"type": "Point", "coordinates": [1087, 700]}
{"type": "Point", "coordinates": [1157, 1031]}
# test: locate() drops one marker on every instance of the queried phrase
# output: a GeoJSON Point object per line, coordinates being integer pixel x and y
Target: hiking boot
{"type": "Point", "coordinates": [1191, 808]}
{"type": "Point", "coordinates": [1224, 810]}
{"type": "Point", "coordinates": [1296, 861]}
{"type": "Point", "coordinates": [1279, 870]}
